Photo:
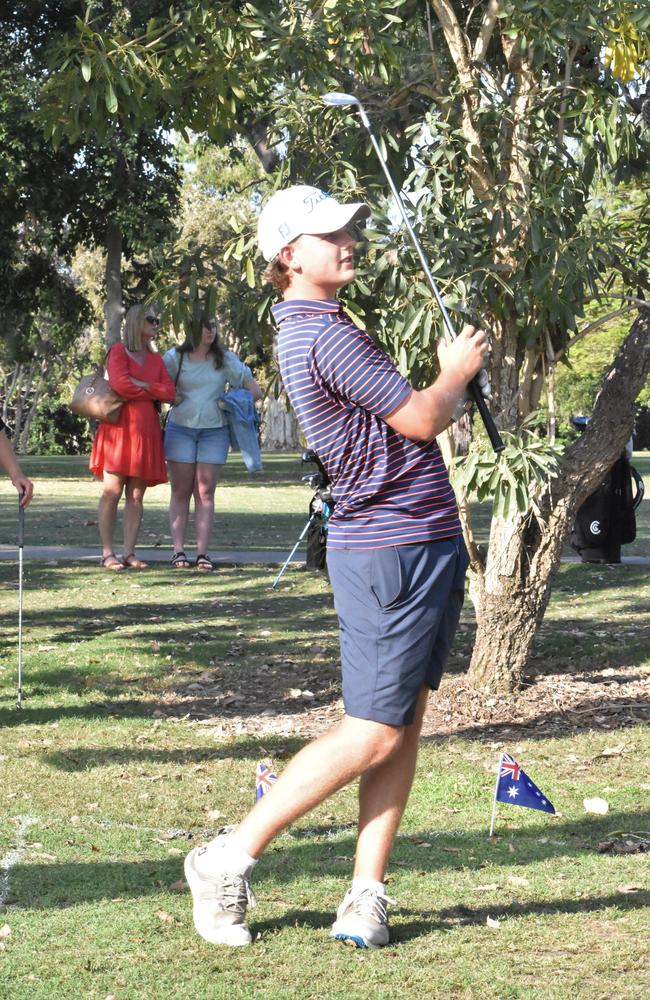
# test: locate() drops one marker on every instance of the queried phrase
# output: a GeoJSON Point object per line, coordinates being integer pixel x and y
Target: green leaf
{"type": "Point", "coordinates": [111, 100]}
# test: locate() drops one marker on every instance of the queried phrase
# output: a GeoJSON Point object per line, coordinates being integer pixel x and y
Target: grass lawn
{"type": "Point", "coordinates": [267, 510]}
{"type": "Point", "coordinates": [150, 698]}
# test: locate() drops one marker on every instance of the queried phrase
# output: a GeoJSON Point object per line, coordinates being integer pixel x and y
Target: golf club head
{"type": "Point", "coordinates": [335, 99]}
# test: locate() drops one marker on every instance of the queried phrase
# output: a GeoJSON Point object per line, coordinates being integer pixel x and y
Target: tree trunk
{"type": "Point", "coordinates": [280, 431]}
{"type": "Point", "coordinates": [23, 437]}
{"type": "Point", "coordinates": [9, 389]}
{"type": "Point", "coordinates": [511, 592]}
{"type": "Point", "coordinates": [23, 390]}
{"type": "Point", "coordinates": [113, 275]}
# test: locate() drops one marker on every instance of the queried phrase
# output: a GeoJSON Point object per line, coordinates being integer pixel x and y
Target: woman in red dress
{"type": "Point", "coordinates": [129, 455]}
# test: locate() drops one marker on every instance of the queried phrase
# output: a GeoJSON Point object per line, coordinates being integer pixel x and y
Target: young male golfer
{"type": "Point", "coordinates": [395, 557]}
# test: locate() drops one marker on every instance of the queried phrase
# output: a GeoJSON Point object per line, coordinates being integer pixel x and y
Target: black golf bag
{"type": "Point", "coordinates": [320, 507]}
{"type": "Point", "coordinates": [607, 518]}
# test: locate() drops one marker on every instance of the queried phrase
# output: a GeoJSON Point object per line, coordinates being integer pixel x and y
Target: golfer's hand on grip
{"type": "Point", "coordinates": [429, 411]}
{"type": "Point", "coordinates": [465, 356]}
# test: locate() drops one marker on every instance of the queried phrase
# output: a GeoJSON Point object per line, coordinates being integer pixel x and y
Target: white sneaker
{"type": "Point", "coordinates": [220, 899]}
{"type": "Point", "coordinates": [362, 920]}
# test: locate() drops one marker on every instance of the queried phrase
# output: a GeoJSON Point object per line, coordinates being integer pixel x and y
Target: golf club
{"type": "Point", "coordinates": [21, 540]}
{"type": "Point", "coordinates": [340, 100]}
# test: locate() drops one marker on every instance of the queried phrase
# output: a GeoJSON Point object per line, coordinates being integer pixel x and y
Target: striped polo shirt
{"type": "Point", "coordinates": [388, 490]}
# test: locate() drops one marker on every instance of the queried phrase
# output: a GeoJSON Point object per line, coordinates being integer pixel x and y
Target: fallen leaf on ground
{"type": "Point", "coordinates": [490, 887]}
{"type": "Point", "coordinates": [518, 880]}
{"type": "Point", "coordinates": [179, 886]}
{"type": "Point", "coordinates": [631, 888]}
{"type": "Point", "coordinates": [494, 924]}
{"type": "Point", "coordinates": [612, 751]}
{"type": "Point", "coordinates": [164, 916]}
{"type": "Point", "coordinates": [5, 931]}
{"type": "Point", "coordinates": [214, 814]}
{"type": "Point", "coordinates": [596, 805]}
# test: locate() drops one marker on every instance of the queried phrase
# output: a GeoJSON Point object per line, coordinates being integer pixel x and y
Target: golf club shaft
{"type": "Point", "coordinates": [290, 556]}
{"type": "Point", "coordinates": [473, 386]}
{"type": "Point", "coordinates": [21, 541]}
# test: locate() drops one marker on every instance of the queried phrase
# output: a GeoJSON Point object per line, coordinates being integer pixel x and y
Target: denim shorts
{"type": "Point", "coordinates": [398, 610]}
{"type": "Point", "coordinates": [196, 444]}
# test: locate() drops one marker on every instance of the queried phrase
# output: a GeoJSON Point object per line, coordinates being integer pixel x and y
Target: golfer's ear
{"type": "Point", "coordinates": [287, 256]}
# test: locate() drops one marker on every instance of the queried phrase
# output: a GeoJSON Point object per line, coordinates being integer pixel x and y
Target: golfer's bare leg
{"type": "Point", "coordinates": [315, 773]}
{"type": "Point", "coordinates": [383, 794]}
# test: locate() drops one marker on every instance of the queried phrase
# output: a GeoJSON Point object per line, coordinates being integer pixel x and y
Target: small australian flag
{"type": "Point", "coordinates": [264, 777]}
{"type": "Point", "coordinates": [515, 787]}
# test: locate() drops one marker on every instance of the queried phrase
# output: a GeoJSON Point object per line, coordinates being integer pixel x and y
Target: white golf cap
{"type": "Point", "coordinates": [300, 210]}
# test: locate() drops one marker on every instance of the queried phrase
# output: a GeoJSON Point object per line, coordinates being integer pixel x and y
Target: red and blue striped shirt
{"type": "Point", "coordinates": [388, 490]}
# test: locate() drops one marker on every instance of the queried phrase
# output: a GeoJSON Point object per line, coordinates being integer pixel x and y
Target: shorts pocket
{"type": "Point", "coordinates": [386, 576]}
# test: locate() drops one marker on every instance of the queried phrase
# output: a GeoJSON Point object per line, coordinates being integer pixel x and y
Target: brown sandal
{"type": "Point", "coordinates": [111, 562]}
{"type": "Point", "coordinates": [132, 562]}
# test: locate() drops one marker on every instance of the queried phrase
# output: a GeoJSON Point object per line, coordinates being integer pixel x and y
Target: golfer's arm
{"type": "Point", "coordinates": [427, 412]}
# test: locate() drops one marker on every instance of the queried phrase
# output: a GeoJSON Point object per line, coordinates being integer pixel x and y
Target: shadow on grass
{"type": "Point", "coordinates": [424, 922]}
{"type": "Point", "coordinates": [83, 759]}
{"type": "Point", "coordinates": [47, 886]}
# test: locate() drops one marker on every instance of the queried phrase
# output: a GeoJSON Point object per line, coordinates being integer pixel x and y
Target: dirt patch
{"type": "Point", "coordinates": [305, 701]}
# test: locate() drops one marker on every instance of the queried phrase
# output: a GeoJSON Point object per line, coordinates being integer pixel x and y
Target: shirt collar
{"type": "Point", "coordinates": [293, 308]}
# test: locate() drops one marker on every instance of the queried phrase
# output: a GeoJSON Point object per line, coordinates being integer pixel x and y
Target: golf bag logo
{"type": "Point", "coordinates": [594, 527]}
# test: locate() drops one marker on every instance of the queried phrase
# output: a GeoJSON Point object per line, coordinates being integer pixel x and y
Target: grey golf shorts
{"type": "Point", "coordinates": [398, 610]}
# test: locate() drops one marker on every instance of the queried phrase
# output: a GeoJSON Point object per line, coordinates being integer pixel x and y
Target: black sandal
{"type": "Point", "coordinates": [179, 560]}
{"type": "Point", "coordinates": [204, 563]}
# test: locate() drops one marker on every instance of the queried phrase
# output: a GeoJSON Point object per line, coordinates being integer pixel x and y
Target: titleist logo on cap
{"type": "Point", "coordinates": [315, 198]}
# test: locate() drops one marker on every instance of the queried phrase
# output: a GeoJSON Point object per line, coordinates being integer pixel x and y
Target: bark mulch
{"type": "Point", "coordinates": [301, 698]}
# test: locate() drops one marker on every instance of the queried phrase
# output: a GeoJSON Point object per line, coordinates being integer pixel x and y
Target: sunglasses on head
{"type": "Point", "coordinates": [153, 320]}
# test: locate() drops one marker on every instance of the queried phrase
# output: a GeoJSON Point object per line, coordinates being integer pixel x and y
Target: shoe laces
{"type": "Point", "coordinates": [230, 892]}
{"type": "Point", "coordinates": [369, 904]}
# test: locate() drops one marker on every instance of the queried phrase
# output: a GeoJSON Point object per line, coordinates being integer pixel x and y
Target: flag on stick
{"type": "Point", "coordinates": [264, 777]}
{"type": "Point", "coordinates": [515, 788]}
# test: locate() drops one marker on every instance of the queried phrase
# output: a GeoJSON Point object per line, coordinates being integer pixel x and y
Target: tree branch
{"type": "Point", "coordinates": [565, 88]}
{"type": "Point", "coordinates": [487, 30]}
{"type": "Point", "coordinates": [598, 447]}
{"type": "Point", "coordinates": [635, 304]}
{"type": "Point", "coordinates": [469, 77]}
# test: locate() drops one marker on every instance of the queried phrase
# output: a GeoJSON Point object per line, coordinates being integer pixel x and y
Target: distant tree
{"type": "Point", "coordinates": [118, 191]}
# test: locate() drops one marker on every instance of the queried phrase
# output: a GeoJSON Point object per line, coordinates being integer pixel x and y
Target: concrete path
{"type": "Point", "coordinates": [48, 553]}
{"type": "Point", "coordinates": [65, 553]}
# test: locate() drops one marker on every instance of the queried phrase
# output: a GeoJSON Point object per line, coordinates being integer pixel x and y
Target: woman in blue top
{"type": "Point", "coordinates": [196, 435]}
